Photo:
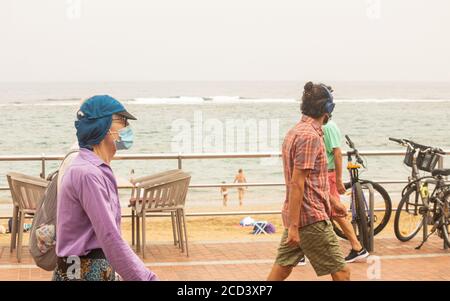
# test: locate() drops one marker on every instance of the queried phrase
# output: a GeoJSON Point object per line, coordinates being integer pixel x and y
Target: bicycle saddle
{"type": "Point", "coordinates": [441, 172]}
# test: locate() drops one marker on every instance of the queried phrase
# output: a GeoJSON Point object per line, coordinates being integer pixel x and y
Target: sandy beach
{"type": "Point", "coordinates": [205, 228]}
{"type": "Point", "coordinates": [159, 230]}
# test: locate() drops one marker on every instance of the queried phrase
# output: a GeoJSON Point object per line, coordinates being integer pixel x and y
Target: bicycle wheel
{"type": "Point", "coordinates": [408, 221]}
{"type": "Point", "coordinates": [445, 222]}
{"type": "Point", "coordinates": [361, 216]}
{"type": "Point", "coordinates": [445, 232]}
{"type": "Point", "coordinates": [382, 214]}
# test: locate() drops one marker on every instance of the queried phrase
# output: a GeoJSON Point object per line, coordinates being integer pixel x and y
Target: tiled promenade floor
{"type": "Point", "coordinates": [253, 260]}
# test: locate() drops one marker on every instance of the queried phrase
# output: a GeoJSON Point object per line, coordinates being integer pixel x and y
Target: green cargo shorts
{"type": "Point", "coordinates": [319, 243]}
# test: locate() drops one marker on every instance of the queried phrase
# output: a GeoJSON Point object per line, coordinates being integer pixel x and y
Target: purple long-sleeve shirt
{"type": "Point", "coordinates": [88, 216]}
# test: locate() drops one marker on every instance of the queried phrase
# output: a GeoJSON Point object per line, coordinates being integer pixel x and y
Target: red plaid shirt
{"type": "Point", "coordinates": [303, 148]}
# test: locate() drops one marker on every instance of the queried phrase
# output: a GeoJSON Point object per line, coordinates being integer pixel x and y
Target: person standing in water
{"type": "Point", "coordinates": [224, 192]}
{"type": "Point", "coordinates": [240, 178]}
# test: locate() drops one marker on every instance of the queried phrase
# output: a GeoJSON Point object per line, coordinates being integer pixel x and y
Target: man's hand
{"type": "Point", "coordinates": [340, 187]}
{"type": "Point", "coordinates": [293, 238]}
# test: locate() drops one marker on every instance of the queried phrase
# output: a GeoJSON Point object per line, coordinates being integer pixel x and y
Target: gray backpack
{"type": "Point", "coordinates": [43, 230]}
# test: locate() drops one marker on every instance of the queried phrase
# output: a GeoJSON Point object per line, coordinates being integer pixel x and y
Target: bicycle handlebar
{"type": "Point", "coordinates": [439, 151]}
{"type": "Point", "coordinates": [350, 142]}
{"type": "Point", "coordinates": [418, 147]}
{"type": "Point", "coordinates": [355, 151]}
{"type": "Point", "coordinates": [399, 141]}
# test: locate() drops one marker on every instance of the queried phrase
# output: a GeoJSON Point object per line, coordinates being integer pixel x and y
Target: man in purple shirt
{"type": "Point", "coordinates": [89, 243]}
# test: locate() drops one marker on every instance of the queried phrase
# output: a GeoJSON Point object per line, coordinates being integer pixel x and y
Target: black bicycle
{"type": "Point", "coordinates": [360, 194]}
{"type": "Point", "coordinates": [419, 208]}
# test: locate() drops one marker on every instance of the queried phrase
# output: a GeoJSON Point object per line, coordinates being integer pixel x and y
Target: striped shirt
{"type": "Point", "coordinates": [303, 148]}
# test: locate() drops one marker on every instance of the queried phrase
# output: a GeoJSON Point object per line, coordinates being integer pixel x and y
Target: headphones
{"type": "Point", "coordinates": [329, 105]}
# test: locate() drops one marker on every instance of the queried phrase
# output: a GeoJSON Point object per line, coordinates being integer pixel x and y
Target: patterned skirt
{"type": "Point", "coordinates": [92, 267]}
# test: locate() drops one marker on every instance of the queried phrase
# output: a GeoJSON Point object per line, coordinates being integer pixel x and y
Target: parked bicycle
{"type": "Point", "coordinates": [359, 203]}
{"type": "Point", "coordinates": [419, 208]}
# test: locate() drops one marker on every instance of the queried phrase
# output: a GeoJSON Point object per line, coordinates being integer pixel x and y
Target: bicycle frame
{"type": "Point", "coordinates": [418, 181]}
{"type": "Point", "coordinates": [414, 179]}
{"type": "Point", "coordinates": [434, 201]}
{"type": "Point", "coordinates": [353, 169]}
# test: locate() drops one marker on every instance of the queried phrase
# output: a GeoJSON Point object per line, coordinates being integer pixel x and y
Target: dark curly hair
{"type": "Point", "coordinates": [314, 98]}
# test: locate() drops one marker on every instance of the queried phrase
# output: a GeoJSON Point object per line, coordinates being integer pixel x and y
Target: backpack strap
{"type": "Point", "coordinates": [71, 152]}
{"type": "Point", "coordinates": [55, 173]}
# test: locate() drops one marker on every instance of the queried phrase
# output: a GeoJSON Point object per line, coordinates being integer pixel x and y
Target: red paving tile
{"type": "Point", "coordinates": [253, 261]}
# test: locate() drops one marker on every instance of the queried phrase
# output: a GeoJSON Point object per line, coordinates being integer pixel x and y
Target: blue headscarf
{"type": "Point", "coordinates": [95, 118]}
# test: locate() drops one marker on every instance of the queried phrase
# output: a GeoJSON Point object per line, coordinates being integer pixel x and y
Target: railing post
{"type": "Point", "coordinates": [441, 164]}
{"type": "Point", "coordinates": [371, 245]}
{"type": "Point", "coordinates": [180, 164]}
{"type": "Point", "coordinates": [43, 166]}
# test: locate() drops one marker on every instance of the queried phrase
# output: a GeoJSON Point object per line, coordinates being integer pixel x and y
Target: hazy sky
{"type": "Point", "coordinates": [125, 40]}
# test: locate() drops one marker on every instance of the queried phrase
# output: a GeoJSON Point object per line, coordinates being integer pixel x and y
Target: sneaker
{"type": "Point", "coordinates": [356, 255]}
{"type": "Point", "coordinates": [302, 261]}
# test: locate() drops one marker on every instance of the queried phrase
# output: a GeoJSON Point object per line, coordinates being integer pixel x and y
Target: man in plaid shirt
{"type": "Point", "coordinates": [307, 208]}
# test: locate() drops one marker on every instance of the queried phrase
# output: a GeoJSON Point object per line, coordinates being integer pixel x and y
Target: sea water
{"type": "Point", "coordinates": [221, 117]}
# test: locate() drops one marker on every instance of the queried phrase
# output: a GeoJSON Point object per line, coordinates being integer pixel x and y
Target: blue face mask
{"type": "Point", "coordinates": [125, 138]}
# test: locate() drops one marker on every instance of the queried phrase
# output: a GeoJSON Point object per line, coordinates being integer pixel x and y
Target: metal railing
{"type": "Point", "coordinates": [43, 158]}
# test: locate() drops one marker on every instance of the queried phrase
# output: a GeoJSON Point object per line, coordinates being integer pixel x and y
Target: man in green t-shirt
{"type": "Point", "coordinates": [332, 139]}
